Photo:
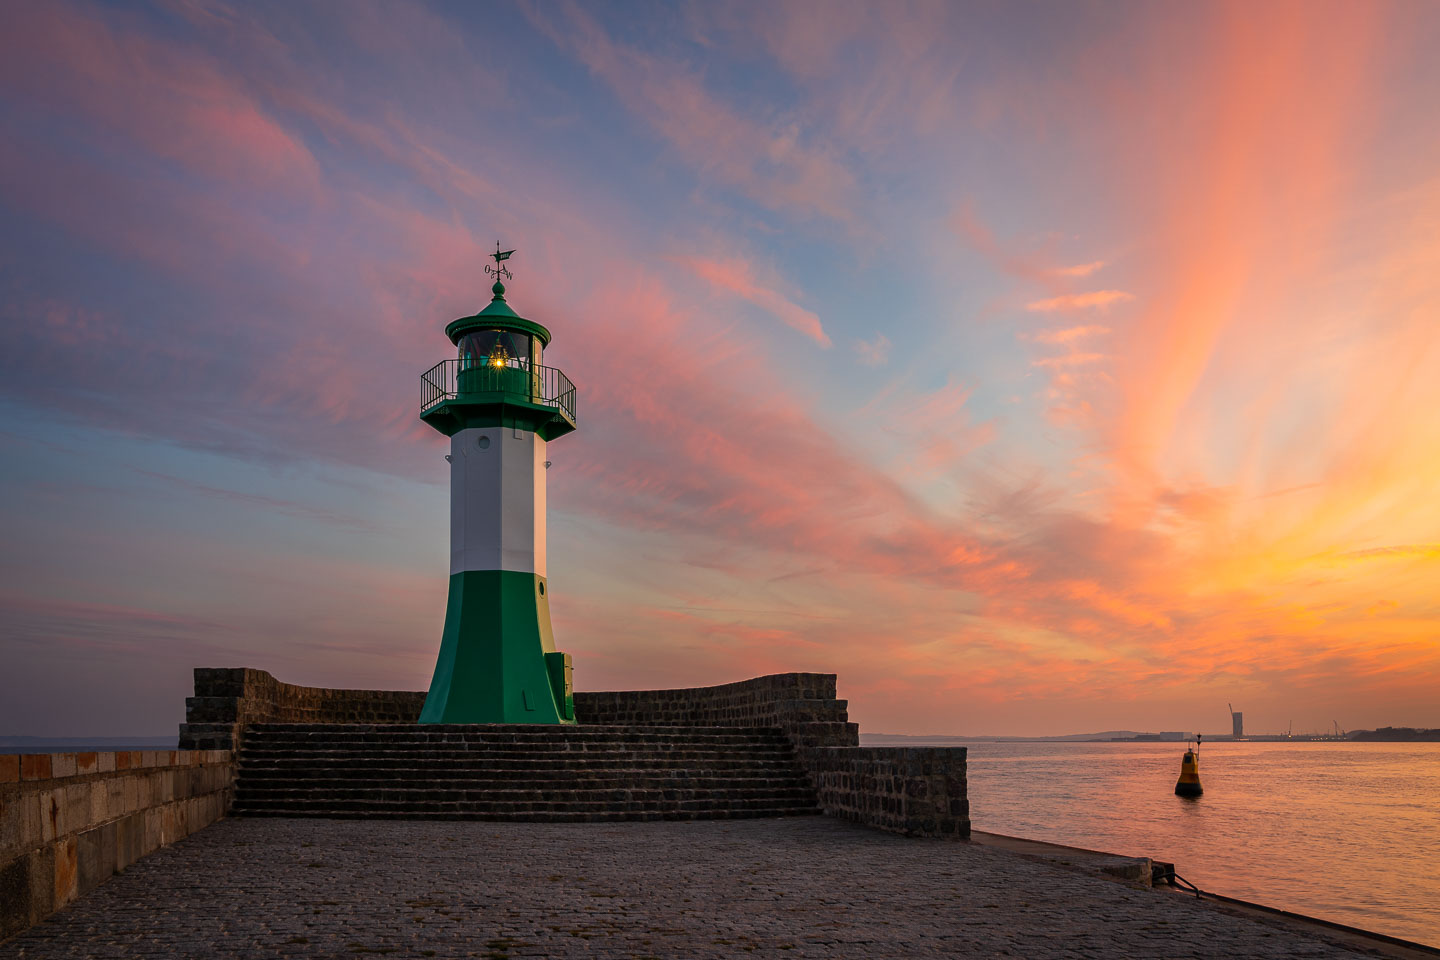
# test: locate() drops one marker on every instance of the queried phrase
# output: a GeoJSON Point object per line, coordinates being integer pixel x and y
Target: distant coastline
{"type": "Point", "coordinates": [1397, 735]}
{"type": "Point", "coordinates": [1380, 735]}
{"type": "Point", "coordinates": [904, 739]}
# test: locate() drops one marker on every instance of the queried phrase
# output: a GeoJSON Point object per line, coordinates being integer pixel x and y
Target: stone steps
{"type": "Point", "coordinates": [634, 781]}
{"type": "Point", "coordinates": [532, 734]}
{"type": "Point", "coordinates": [797, 796]}
{"type": "Point", "coordinates": [518, 763]}
{"type": "Point", "coordinates": [498, 731]}
{"type": "Point", "coordinates": [528, 799]}
{"type": "Point", "coordinates": [461, 751]}
{"type": "Point", "coordinates": [519, 772]}
{"type": "Point", "coordinates": [334, 764]}
{"type": "Point", "coordinates": [529, 816]}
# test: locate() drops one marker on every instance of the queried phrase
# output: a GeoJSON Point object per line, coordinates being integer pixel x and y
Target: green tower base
{"type": "Point", "coordinates": [498, 662]}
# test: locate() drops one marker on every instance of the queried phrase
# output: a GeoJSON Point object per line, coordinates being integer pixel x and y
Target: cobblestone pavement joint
{"type": "Point", "coordinates": [792, 888]}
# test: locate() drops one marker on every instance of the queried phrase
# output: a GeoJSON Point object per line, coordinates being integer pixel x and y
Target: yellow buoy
{"type": "Point", "coordinates": [1189, 783]}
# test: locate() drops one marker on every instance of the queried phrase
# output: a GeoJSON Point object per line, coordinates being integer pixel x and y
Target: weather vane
{"type": "Point", "coordinates": [498, 270]}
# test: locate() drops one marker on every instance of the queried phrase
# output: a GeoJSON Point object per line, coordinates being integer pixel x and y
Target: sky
{"type": "Point", "coordinates": [1037, 368]}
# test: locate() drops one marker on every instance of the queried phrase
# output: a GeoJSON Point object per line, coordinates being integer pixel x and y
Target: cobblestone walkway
{"type": "Point", "coordinates": [804, 887]}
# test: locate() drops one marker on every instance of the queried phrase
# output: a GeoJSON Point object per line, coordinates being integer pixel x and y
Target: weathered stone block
{"type": "Point", "coordinates": [42, 881]}
{"type": "Point", "coordinates": [77, 807]}
{"type": "Point", "coordinates": [153, 837]}
{"type": "Point", "coordinates": [115, 796]}
{"type": "Point", "coordinates": [129, 840]}
{"type": "Point", "coordinates": [88, 857]}
{"type": "Point", "coordinates": [52, 814]}
{"type": "Point", "coordinates": [35, 766]}
{"type": "Point", "coordinates": [15, 896]}
{"type": "Point", "coordinates": [67, 873]}
{"type": "Point", "coordinates": [9, 767]}
{"type": "Point", "coordinates": [99, 801]}
{"type": "Point", "coordinates": [12, 827]}
{"type": "Point", "coordinates": [62, 765]}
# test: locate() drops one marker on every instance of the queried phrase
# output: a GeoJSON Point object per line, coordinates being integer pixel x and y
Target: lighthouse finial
{"type": "Point", "coordinates": [498, 270]}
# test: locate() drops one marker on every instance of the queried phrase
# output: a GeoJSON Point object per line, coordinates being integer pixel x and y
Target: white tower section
{"type": "Point", "coordinates": [490, 467]}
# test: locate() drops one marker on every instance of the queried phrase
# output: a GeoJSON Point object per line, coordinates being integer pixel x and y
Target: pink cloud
{"type": "Point", "coordinates": [1079, 269]}
{"type": "Point", "coordinates": [172, 103]}
{"type": "Point", "coordinates": [1066, 335]}
{"type": "Point", "coordinates": [774, 164]}
{"type": "Point", "coordinates": [737, 277]}
{"type": "Point", "coordinates": [1068, 360]}
{"type": "Point", "coordinates": [1024, 264]}
{"type": "Point", "coordinates": [1079, 301]}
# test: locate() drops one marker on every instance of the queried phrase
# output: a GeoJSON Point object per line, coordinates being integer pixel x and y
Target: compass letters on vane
{"type": "Point", "coordinates": [499, 271]}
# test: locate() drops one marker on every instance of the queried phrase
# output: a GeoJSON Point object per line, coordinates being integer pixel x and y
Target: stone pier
{"type": "Point", "coordinates": [806, 887]}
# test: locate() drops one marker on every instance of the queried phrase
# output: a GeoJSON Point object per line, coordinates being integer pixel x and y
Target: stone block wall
{"type": "Point", "coordinates": [916, 791]}
{"type": "Point", "coordinates": [226, 699]}
{"type": "Point", "coordinates": [801, 704]}
{"type": "Point", "coordinates": [68, 821]}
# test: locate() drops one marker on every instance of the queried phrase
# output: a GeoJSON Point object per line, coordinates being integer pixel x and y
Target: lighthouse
{"type": "Point", "coordinates": [501, 407]}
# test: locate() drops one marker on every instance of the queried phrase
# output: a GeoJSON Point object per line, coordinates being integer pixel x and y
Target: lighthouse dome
{"type": "Point", "coordinates": [497, 315]}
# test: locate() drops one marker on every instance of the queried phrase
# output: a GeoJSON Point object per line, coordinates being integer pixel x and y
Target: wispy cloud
{"type": "Point", "coordinates": [1026, 264]}
{"type": "Point", "coordinates": [1079, 269]}
{"type": "Point", "coordinates": [1068, 360]}
{"type": "Point", "coordinates": [874, 352]}
{"type": "Point", "coordinates": [775, 164]}
{"type": "Point", "coordinates": [1070, 302]}
{"type": "Point", "coordinates": [1412, 551]}
{"type": "Point", "coordinates": [179, 105]}
{"type": "Point", "coordinates": [737, 276]}
{"type": "Point", "coordinates": [1065, 335]}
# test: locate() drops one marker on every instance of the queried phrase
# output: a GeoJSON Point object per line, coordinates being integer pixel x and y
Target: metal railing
{"type": "Point", "coordinates": [534, 382]}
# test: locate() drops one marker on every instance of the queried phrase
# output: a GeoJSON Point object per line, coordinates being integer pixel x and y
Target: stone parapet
{"type": "Point", "coordinates": [68, 821]}
{"type": "Point", "coordinates": [226, 699]}
{"type": "Point", "coordinates": [760, 702]}
{"type": "Point", "coordinates": [917, 791]}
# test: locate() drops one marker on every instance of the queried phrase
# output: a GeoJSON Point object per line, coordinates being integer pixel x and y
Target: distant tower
{"type": "Point", "coordinates": [500, 407]}
{"type": "Point", "coordinates": [1237, 723]}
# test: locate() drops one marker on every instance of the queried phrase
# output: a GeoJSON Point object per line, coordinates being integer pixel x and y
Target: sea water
{"type": "Point", "coordinates": [1348, 832]}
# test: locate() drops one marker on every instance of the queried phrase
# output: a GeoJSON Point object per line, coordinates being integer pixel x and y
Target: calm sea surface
{"type": "Point", "coordinates": [1348, 832]}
